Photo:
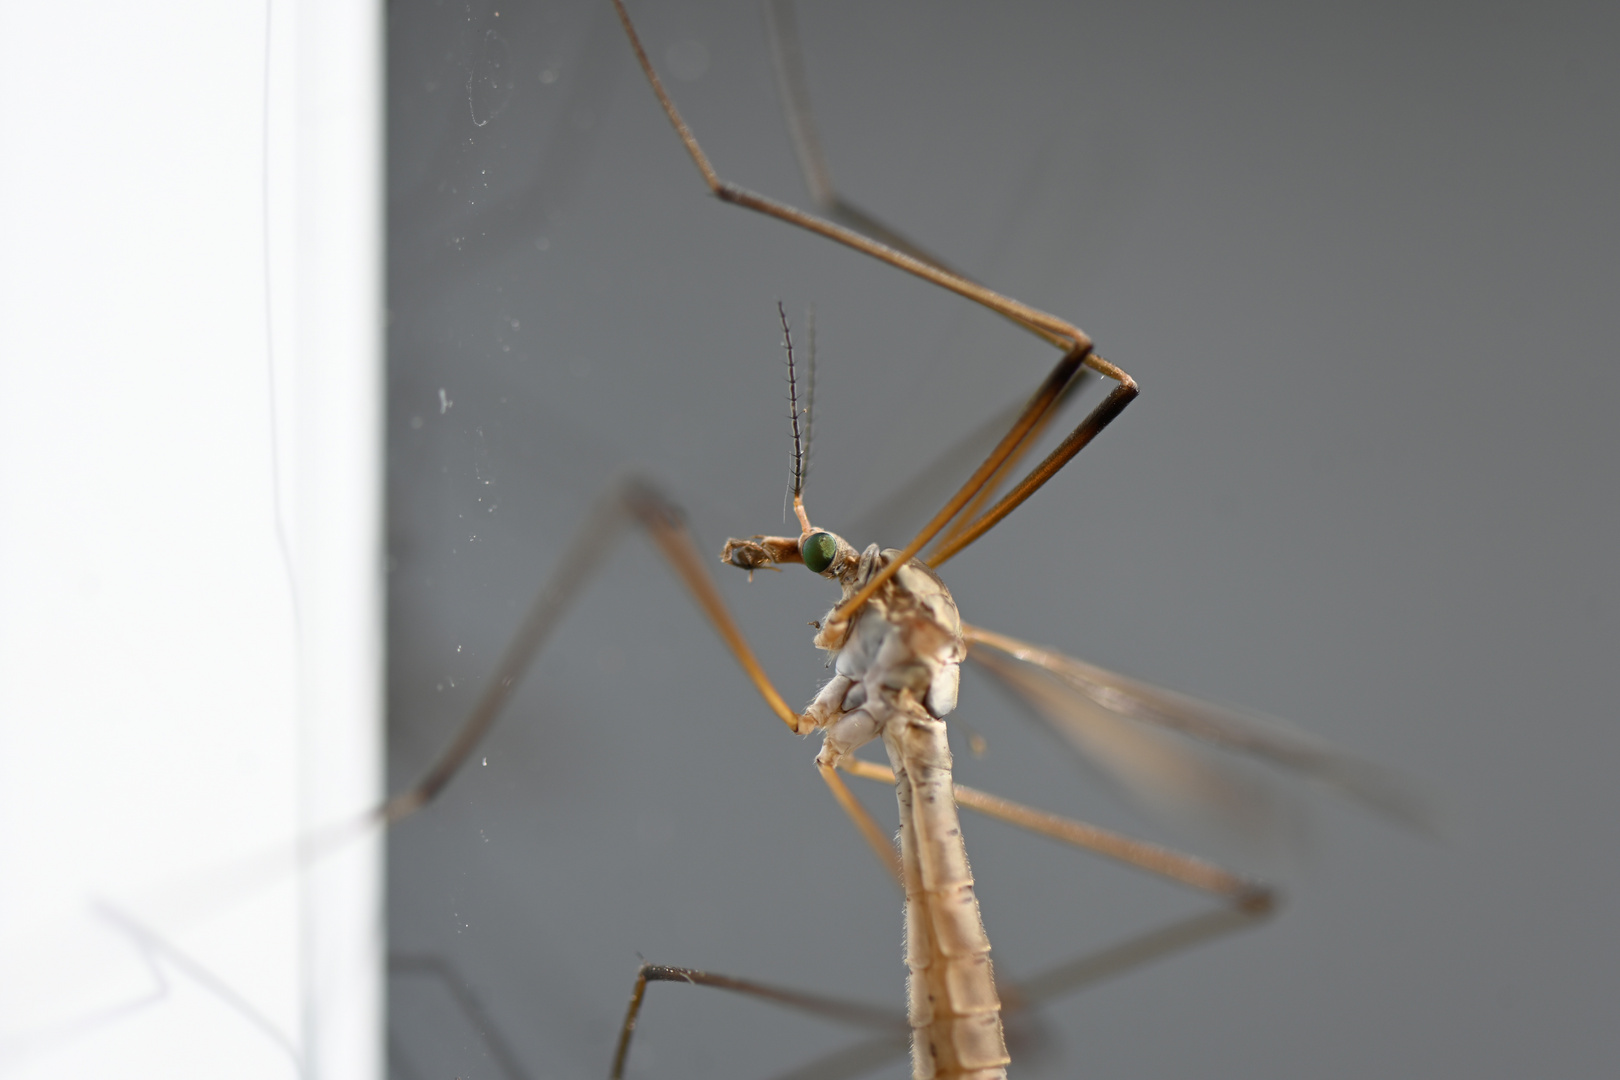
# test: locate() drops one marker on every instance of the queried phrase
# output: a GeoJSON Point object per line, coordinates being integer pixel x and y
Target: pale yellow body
{"type": "Point", "coordinates": [951, 994]}
{"type": "Point", "coordinates": [897, 669]}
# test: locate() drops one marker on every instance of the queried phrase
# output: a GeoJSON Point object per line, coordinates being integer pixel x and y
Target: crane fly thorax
{"type": "Point", "coordinates": [902, 649]}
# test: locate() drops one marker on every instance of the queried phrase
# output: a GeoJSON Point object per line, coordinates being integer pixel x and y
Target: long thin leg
{"type": "Point", "coordinates": [844, 1012]}
{"type": "Point", "coordinates": [631, 500]}
{"type": "Point", "coordinates": [893, 1030]}
{"type": "Point", "coordinates": [467, 1002]}
{"type": "Point", "coordinates": [1129, 955]}
{"type": "Point", "coordinates": [876, 839]}
{"type": "Point", "coordinates": [1095, 421]}
{"type": "Point", "coordinates": [919, 492]}
{"type": "Point", "coordinates": [782, 33]}
{"type": "Point", "coordinates": [972, 512]}
{"type": "Point", "coordinates": [1076, 344]}
{"type": "Point", "coordinates": [1057, 331]}
{"type": "Point", "coordinates": [1243, 893]}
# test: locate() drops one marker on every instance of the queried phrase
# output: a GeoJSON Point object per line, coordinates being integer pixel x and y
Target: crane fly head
{"type": "Point", "coordinates": [818, 550]}
{"type": "Point", "coordinates": [825, 553]}
{"type": "Point", "coordinates": [828, 554]}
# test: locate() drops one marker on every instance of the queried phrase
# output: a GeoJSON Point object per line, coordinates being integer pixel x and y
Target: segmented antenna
{"type": "Point", "coordinates": [809, 393]}
{"type": "Point", "coordinates": [801, 432]}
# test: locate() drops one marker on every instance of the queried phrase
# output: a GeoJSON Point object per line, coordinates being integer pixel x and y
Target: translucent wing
{"type": "Point", "coordinates": [1118, 721]}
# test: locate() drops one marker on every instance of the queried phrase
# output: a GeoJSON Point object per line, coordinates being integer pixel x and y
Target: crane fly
{"type": "Point", "coordinates": [896, 640]}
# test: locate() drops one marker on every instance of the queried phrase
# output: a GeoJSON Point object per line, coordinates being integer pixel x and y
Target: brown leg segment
{"type": "Point", "coordinates": [843, 1012]}
{"type": "Point", "coordinates": [890, 1044]}
{"type": "Point", "coordinates": [630, 501]}
{"type": "Point", "coordinates": [870, 830]}
{"type": "Point", "coordinates": [1242, 893]}
{"type": "Point", "coordinates": [975, 507]}
{"type": "Point", "coordinates": [636, 501]}
{"type": "Point", "coordinates": [1129, 955]}
{"type": "Point", "coordinates": [467, 1003]}
{"type": "Point", "coordinates": [1099, 418]}
{"type": "Point", "coordinates": [1043, 402]}
{"type": "Point", "coordinates": [781, 31]}
{"type": "Point", "coordinates": [1058, 332]}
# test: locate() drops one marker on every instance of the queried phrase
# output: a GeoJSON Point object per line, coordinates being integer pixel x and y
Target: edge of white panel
{"type": "Point", "coordinates": [190, 540]}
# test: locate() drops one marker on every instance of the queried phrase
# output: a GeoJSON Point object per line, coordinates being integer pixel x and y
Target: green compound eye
{"type": "Point", "coordinates": [819, 550]}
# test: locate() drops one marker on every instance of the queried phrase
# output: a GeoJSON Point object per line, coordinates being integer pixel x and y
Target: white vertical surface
{"type": "Point", "coordinates": [189, 539]}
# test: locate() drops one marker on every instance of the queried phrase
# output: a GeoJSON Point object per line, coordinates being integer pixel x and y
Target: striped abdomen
{"type": "Point", "coordinates": [952, 1004]}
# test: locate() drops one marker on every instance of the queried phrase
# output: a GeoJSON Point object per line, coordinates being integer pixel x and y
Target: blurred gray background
{"type": "Point", "coordinates": [1362, 260]}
